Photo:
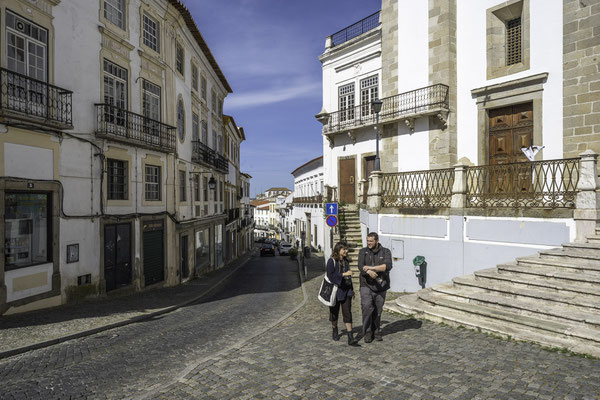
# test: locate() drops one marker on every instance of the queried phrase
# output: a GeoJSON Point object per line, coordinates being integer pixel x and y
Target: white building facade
{"type": "Point", "coordinates": [465, 85]}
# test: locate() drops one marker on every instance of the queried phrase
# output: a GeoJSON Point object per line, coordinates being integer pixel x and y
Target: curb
{"type": "Point", "coordinates": [180, 378]}
{"type": "Point", "coordinates": [52, 342]}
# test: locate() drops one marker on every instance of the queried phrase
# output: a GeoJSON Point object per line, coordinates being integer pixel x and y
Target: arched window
{"type": "Point", "coordinates": [180, 120]}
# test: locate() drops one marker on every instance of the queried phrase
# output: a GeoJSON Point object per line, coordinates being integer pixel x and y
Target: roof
{"type": "Point", "coordinates": [305, 164]}
{"type": "Point", "coordinates": [257, 203]}
{"type": "Point", "coordinates": [191, 24]}
{"type": "Point", "coordinates": [239, 129]}
{"type": "Point", "coordinates": [247, 175]}
{"type": "Point", "coordinates": [275, 189]}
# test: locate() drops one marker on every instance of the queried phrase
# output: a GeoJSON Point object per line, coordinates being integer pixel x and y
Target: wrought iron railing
{"type": "Point", "coordinates": [356, 29]}
{"type": "Point", "coordinates": [35, 100]}
{"type": "Point", "coordinates": [428, 99]}
{"type": "Point", "coordinates": [201, 153]}
{"type": "Point", "coordinates": [538, 184]}
{"type": "Point", "coordinates": [123, 125]}
{"type": "Point", "coordinates": [417, 189]}
{"type": "Point", "coordinates": [233, 214]}
{"type": "Point", "coordinates": [308, 199]}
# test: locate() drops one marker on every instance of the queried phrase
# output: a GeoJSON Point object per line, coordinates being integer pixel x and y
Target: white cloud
{"type": "Point", "coordinates": [273, 95]}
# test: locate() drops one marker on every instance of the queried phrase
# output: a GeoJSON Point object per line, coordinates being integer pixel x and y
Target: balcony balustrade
{"type": "Point", "coordinates": [125, 126]}
{"type": "Point", "coordinates": [417, 189]}
{"type": "Point", "coordinates": [205, 155]}
{"type": "Point", "coordinates": [30, 100]}
{"type": "Point", "coordinates": [430, 100]}
{"type": "Point", "coordinates": [356, 29]}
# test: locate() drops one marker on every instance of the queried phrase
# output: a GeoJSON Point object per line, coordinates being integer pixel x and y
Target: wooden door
{"type": "Point", "coordinates": [347, 181]}
{"type": "Point", "coordinates": [369, 166]}
{"type": "Point", "coordinates": [117, 256]}
{"type": "Point", "coordinates": [510, 129]}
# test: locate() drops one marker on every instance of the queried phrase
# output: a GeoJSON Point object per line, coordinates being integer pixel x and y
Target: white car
{"type": "Point", "coordinates": [284, 248]}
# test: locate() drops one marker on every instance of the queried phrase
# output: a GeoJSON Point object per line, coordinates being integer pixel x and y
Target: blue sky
{"type": "Point", "coordinates": [268, 51]}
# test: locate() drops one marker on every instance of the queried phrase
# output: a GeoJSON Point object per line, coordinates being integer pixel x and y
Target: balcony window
{"type": "Point", "coordinates": [182, 192]}
{"type": "Point", "coordinates": [194, 77]}
{"type": "Point", "coordinates": [214, 140]}
{"type": "Point", "coordinates": [213, 99]}
{"type": "Point", "coordinates": [27, 229]}
{"type": "Point", "coordinates": [203, 87]}
{"type": "Point", "coordinates": [205, 189]}
{"type": "Point", "coordinates": [114, 11]}
{"type": "Point", "coordinates": [179, 58]}
{"type": "Point", "coordinates": [195, 127]}
{"type": "Point", "coordinates": [196, 187]}
{"type": "Point", "coordinates": [115, 93]}
{"type": "Point", "coordinates": [116, 173]}
{"type": "Point", "coordinates": [151, 34]}
{"type": "Point", "coordinates": [152, 183]}
{"type": "Point", "coordinates": [346, 102]}
{"type": "Point", "coordinates": [368, 93]}
{"type": "Point", "coordinates": [180, 120]}
{"type": "Point", "coordinates": [151, 110]}
{"type": "Point", "coordinates": [204, 133]}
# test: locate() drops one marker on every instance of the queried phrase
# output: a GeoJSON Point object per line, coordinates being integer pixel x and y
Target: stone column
{"type": "Point", "coordinates": [362, 191]}
{"type": "Point", "coordinates": [374, 195]}
{"type": "Point", "coordinates": [587, 203]}
{"type": "Point", "coordinates": [459, 189]}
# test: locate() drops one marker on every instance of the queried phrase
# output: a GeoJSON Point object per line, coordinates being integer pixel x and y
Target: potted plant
{"type": "Point", "coordinates": [293, 253]}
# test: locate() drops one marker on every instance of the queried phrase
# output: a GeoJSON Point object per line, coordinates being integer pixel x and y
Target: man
{"type": "Point", "coordinates": [374, 264]}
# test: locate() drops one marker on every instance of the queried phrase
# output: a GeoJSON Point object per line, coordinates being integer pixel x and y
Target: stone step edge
{"type": "Point", "coordinates": [558, 264]}
{"type": "Point", "coordinates": [578, 245]}
{"type": "Point", "coordinates": [561, 254]}
{"type": "Point", "coordinates": [493, 275]}
{"type": "Point", "coordinates": [555, 327]}
{"type": "Point", "coordinates": [553, 311]}
{"type": "Point", "coordinates": [402, 306]}
{"type": "Point", "coordinates": [581, 277]}
{"type": "Point", "coordinates": [504, 289]}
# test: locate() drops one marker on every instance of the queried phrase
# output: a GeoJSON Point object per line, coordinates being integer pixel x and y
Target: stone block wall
{"type": "Point", "coordinates": [581, 76]}
{"type": "Point", "coordinates": [389, 48]}
{"type": "Point", "coordinates": [442, 69]}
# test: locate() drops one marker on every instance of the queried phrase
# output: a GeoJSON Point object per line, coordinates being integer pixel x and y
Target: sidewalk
{"type": "Point", "coordinates": [36, 329]}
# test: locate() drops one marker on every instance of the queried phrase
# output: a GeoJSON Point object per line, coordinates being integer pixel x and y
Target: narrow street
{"type": "Point", "coordinates": [126, 362]}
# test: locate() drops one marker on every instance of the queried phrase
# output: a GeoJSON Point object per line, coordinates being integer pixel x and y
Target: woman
{"type": "Point", "coordinates": [338, 273]}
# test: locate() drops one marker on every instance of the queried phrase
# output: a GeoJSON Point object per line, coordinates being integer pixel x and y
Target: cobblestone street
{"type": "Point", "coordinates": [202, 351]}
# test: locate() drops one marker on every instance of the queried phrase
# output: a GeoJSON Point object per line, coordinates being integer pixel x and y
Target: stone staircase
{"type": "Point", "coordinates": [349, 228]}
{"type": "Point", "coordinates": [552, 298]}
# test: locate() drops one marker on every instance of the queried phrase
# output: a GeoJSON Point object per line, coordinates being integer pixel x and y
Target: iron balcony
{"type": "Point", "coordinates": [202, 154]}
{"type": "Point", "coordinates": [29, 100]}
{"type": "Point", "coordinates": [125, 126]}
{"type": "Point", "coordinates": [356, 29]}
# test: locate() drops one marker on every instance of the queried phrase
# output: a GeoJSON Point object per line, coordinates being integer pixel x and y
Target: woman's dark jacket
{"type": "Point", "coordinates": [335, 276]}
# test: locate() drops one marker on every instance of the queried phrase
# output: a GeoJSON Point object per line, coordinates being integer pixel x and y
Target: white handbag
{"type": "Point", "coordinates": [328, 292]}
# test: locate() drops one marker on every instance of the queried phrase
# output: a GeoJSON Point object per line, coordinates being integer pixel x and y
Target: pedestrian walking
{"type": "Point", "coordinates": [338, 273]}
{"type": "Point", "coordinates": [374, 265]}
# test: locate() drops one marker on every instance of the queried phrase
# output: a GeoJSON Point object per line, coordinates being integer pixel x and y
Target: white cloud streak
{"type": "Point", "coordinates": [273, 95]}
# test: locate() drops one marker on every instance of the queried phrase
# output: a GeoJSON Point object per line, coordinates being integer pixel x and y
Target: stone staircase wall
{"type": "Point", "coordinates": [551, 298]}
{"type": "Point", "coordinates": [349, 231]}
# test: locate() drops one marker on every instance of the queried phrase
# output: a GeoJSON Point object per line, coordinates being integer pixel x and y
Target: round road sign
{"type": "Point", "coordinates": [331, 220]}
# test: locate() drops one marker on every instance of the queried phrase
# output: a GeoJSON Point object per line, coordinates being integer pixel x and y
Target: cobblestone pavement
{"type": "Point", "coordinates": [416, 360]}
{"type": "Point", "coordinates": [127, 361]}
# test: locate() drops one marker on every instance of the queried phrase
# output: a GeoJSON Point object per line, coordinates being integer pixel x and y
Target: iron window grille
{"type": "Point", "coordinates": [151, 34]}
{"type": "Point", "coordinates": [182, 192]}
{"type": "Point", "coordinates": [152, 183]}
{"type": "Point", "coordinates": [116, 171]}
{"type": "Point", "coordinates": [513, 41]}
{"type": "Point", "coordinates": [114, 11]}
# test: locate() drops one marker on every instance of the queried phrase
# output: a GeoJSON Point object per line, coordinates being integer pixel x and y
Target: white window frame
{"type": "Point", "coordinates": [115, 12]}
{"type": "Point", "coordinates": [151, 39]}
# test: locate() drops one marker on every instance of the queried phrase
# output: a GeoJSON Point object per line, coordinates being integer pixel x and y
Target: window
{"type": "Point", "coordinates": [152, 183]}
{"type": "Point", "coordinates": [27, 229]}
{"type": "Point", "coordinates": [513, 41]}
{"type": "Point", "coordinates": [26, 46]}
{"type": "Point", "coordinates": [115, 93]}
{"type": "Point", "coordinates": [213, 99]}
{"type": "Point", "coordinates": [205, 133]}
{"type": "Point", "coordinates": [182, 194]}
{"type": "Point", "coordinates": [214, 140]}
{"type": "Point", "coordinates": [179, 58]}
{"type": "Point", "coordinates": [194, 77]}
{"type": "Point", "coordinates": [205, 189]}
{"type": "Point", "coordinates": [202, 246]}
{"type": "Point", "coordinates": [151, 100]}
{"type": "Point", "coordinates": [203, 87]}
{"type": "Point", "coordinates": [220, 107]}
{"type": "Point", "coordinates": [116, 173]}
{"type": "Point", "coordinates": [220, 144]}
{"type": "Point", "coordinates": [195, 127]}
{"type": "Point", "coordinates": [368, 93]}
{"type": "Point", "coordinates": [196, 187]}
{"type": "Point", "coordinates": [180, 120]}
{"type": "Point", "coordinates": [114, 11]}
{"type": "Point", "coordinates": [151, 34]}
{"type": "Point", "coordinates": [346, 102]}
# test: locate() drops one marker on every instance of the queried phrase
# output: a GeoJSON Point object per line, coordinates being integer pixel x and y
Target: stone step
{"type": "Point", "coordinates": [548, 333]}
{"type": "Point", "coordinates": [594, 238]}
{"type": "Point", "coordinates": [570, 255]}
{"type": "Point", "coordinates": [553, 274]}
{"type": "Point", "coordinates": [510, 290]}
{"type": "Point", "coordinates": [522, 305]}
{"type": "Point", "coordinates": [536, 261]}
{"type": "Point", "coordinates": [525, 281]}
{"type": "Point", "coordinates": [585, 248]}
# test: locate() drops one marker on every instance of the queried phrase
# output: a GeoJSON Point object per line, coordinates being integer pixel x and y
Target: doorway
{"type": "Point", "coordinates": [117, 256]}
{"type": "Point", "coordinates": [347, 180]}
{"type": "Point", "coordinates": [183, 257]}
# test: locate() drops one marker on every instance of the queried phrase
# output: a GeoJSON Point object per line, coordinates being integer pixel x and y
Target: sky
{"type": "Point", "coordinates": [269, 52]}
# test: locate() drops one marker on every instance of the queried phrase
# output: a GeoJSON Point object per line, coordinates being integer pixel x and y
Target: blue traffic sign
{"type": "Point", "coordinates": [331, 208]}
{"type": "Point", "coordinates": [331, 220]}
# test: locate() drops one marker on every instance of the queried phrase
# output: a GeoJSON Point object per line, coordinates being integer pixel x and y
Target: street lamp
{"type": "Point", "coordinates": [376, 104]}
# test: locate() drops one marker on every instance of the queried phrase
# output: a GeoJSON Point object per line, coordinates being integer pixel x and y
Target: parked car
{"type": "Point", "coordinates": [284, 248]}
{"type": "Point", "coordinates": [267, 248]}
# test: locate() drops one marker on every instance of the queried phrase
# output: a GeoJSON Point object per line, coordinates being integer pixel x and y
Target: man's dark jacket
{"type": "Point", "coordinates": [379, 255]}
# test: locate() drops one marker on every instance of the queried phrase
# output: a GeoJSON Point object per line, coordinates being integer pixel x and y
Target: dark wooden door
{"type": "Point", "coordinates": [183, 257]}
{"type": "Point", "coordinates": [153, 252]}
{"type": "Point", "coordinates": [347, 181]}
{"type": "Point", "coordinates": [369, 167]}
{"type": "Point", "coordinates": [117, 256]}
{"type": "Point", "coordinates": [510, 129]}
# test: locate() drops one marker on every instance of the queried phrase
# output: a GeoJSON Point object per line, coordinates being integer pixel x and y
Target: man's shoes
{"type": "Point", "coordinates": [351, 340]}
{"type": "Point", "coordinates": [368, 337]}
{"type": "Point", "coordinates": [334, 334]}
{"type": "Point", "coordinates": [378, 336]}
